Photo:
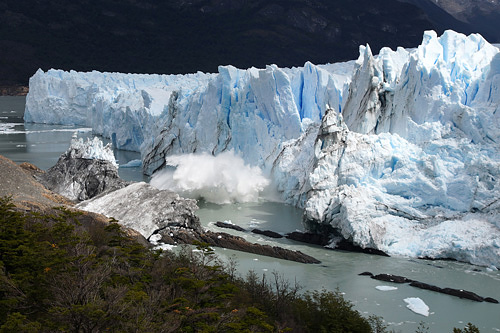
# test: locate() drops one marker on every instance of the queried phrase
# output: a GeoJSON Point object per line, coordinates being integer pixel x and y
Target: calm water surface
{"type": "Point", "coordinates": [42, 145]}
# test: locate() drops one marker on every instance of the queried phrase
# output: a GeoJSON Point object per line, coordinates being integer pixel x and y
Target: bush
{"type": "Point", "coordinates": [58, 275]}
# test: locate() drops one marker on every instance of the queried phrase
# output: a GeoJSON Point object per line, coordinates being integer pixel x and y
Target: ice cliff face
{"type": "Point", "coordinates": [410, 166]}
{"type": "Point", "coordinates": [250, 111]}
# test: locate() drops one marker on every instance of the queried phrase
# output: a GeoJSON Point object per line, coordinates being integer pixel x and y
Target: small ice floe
{"type": "Point", "coordinates": [7, 127]}
{"type": "Point", "coordinates": [418, 306]}
{"type": "Point", "coordinates": [265, 269]}
{"type": "Point", "coordinates": [132, 164]}
{"type": "Point", "coordinates": [255, 259]}
{"type": "Point", "coordinates": [492, 268]}
{"type": "Point", "coordinates": [386, 288]}
{"type": "Point", "coordinates": [20, 146]}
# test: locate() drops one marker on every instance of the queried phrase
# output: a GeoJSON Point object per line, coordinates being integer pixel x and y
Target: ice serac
{"type": "Point", "coordinates": [396, 152]}
{"type": "Point", "coordinates": [412, 165]}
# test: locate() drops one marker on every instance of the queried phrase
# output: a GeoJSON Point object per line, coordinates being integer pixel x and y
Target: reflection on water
{"type": "Point", "coordinates": [42, 145]}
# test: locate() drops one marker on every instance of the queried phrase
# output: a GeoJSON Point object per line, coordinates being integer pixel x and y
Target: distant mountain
{"type": "Point", "coordinates": [181, 36]}
{"type": "Point", "coordinates": [478, 16]}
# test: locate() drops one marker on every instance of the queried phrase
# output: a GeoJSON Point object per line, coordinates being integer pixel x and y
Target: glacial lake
{"type": "Point", "coordinates": [42, 145]}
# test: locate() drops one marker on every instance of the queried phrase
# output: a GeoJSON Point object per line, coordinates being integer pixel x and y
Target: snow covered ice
{"type": "Point", "coordinates": [398, 152]}
{"type": "Point", "coordinates": [386, 288]}
{"type": "Point", "coordinates": [416, 305]}
{"type": "Point", "coordinates": [92, 150]}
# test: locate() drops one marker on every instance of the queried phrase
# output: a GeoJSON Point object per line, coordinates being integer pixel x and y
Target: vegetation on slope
{"type": "Point", "coordinates": [57, 276]}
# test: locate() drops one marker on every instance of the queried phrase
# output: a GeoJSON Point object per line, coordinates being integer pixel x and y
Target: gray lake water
{"type": "Point", "coordinates": [42, 145]}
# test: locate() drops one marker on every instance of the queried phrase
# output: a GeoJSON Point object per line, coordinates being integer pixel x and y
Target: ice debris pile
{"type": "Point", "coordinates": [398, 152]}
{"type": "Point", "coordinates": [92, 149]}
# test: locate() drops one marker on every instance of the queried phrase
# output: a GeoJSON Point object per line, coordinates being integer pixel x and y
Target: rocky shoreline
{"type": "Point", "coordinates": [13, 90]}
{"type": "Point", "coordinates": [141, 209]}
{"type": "Point", "coordinates": [28, 195]}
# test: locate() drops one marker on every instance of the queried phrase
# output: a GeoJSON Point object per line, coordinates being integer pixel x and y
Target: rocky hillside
{"type": "Point", "coordinates": [178, 36]}
{"type": "Point", "coordinates": [482, 16]}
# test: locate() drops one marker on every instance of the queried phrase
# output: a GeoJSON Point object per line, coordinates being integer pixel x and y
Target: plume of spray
{"type": "Point", "coordinates": [220, 179]}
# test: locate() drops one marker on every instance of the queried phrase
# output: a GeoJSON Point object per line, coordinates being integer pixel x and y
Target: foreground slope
{"type": "Point", "coordinates": [409, 166]}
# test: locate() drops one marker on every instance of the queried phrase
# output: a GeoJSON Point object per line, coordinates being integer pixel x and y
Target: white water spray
{"type": "Point", "coordinates": [220, 179]}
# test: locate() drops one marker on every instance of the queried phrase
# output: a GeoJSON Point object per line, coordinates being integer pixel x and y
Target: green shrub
{"type": "Point", "coordinates": [57, 274]}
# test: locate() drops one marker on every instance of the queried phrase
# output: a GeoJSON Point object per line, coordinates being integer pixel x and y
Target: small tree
{"type": "Point", "coordinates": [469, 328]}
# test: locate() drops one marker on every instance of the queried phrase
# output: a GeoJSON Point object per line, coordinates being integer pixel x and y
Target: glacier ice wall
{"type": "Point", "coordinates": [411, 165]}
{"type": "Point", "coordinates": [398, 152]}
{"type": "Point", "coordinates": [249, 111]}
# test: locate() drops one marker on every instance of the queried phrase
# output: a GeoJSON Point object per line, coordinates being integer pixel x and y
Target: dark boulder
{"type": "Point", "coordinates": [229, 226]}
{"type": "Point", "coordinates": [490, 300]}
{"type": "Point", "coordinates": [309, 238]}
{"type": "Point", "coordinates": [426, 286]}
{"type": "Point", "coordinates": [463, 294]}
{"type": "Point", "coordinates": [366, 274]}
{"type": "Point", "coordinates": [391, 278]}
{"type": "Point", "coordinates": [349, 246]}
{"type": "Point", "coordinates": [267, 233]}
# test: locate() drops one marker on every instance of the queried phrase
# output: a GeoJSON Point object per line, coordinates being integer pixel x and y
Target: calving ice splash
{"type": "Point", "coordinates": [220, 179]}
{"type": "Point", "coordinates": [397, 152]}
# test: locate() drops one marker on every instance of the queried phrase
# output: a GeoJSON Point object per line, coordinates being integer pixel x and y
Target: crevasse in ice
{"type": "Point", "coordinates": [398, 152]}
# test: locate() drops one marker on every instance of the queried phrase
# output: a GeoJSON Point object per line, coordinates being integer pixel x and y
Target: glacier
{"type": "Point", "coordinates": [397, 152]}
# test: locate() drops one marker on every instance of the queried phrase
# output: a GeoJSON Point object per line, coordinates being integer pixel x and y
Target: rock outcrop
{"type": "Point", "coordinates": [84, 171]}
{"type": "Point", "coordinates": [146, 209]}
{"type": "Point", "coordinates": [28, 195]}
{"type": "Point", "coordinates": [421, 285]}
{"type": "Point", "coordinates": [219, 239]}
{"type": "Point", "coordinates": [18, 183]}
{"type": "Point", "coordinates": [164, 216]}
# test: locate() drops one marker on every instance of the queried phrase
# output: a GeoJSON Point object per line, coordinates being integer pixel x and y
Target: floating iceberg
{"type": "Point", "coordinates": [416, 305]}
{"type": "Point", "coordinates": [386, 288]}
{"type": "Point", "coordinates": [397, 152]}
